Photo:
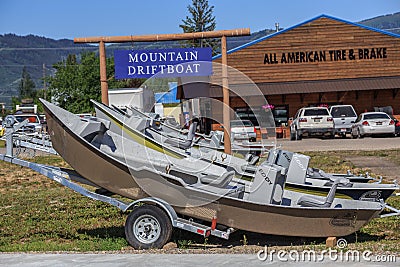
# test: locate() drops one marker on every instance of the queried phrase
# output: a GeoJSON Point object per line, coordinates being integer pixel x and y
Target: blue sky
{"type": "Point", "coordinates": [59, 19]}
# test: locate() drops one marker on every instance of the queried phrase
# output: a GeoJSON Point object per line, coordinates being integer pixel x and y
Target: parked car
{"type": "Point", "coordinates": [1, 127]}
{"type": "Point", "coordinates": [243, 130]}
{"type": "Point", "coordinates": [344, 117]}
{"type": "Point", "coordinates": [312, 121]}
{"type": "Point", "coordinates": [396, 125]}
{"type": "Point", "coordinates": [373, 123]}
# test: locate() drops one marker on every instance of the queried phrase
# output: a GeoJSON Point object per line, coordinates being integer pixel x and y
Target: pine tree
{"type": "Point", "coordinates": [26, 86]}
{"type": "Point", "coordinates": [201, 19]}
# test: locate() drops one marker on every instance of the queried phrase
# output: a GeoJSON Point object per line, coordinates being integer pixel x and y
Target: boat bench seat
{"type": "Point", "coordinates": [183, 143]}
{"type": "Point", "coordinates": [218, 181]}
{"type": "Point", "coordinates": [220, 185]}
{"type": "Point", "coordinates": [232, 191]}
{"type": "Point", "coordinates": [248, 168]}
{"type": "Point", "coordinates": [309, 201]}
{"type": "Point", "coordinates": [179, 143]}
{"type": "Point", "coordinates": [252, 159]}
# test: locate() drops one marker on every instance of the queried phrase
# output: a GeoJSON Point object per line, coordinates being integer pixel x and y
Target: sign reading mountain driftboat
{"type": "Point", "coordinates": [176, 62]}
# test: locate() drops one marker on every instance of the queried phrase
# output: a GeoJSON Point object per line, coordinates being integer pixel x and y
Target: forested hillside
{"type": "Point", "coordinates": [37, 54]}
{"type": "Point", "coordinates": [389, 23]}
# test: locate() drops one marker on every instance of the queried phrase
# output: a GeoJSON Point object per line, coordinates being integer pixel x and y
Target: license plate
{"type": "Point", "coordinates": [379, 123]}
{"type": "Point", "coordinates": [343, 130]}
{"type": "Point", "coordinates": [317, 120]}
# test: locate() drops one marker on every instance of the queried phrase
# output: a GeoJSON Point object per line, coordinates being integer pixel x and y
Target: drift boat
{"type": "Point", "coordinates": [300, 177]}
{"type": "Point", "coordinates": [201, 191]}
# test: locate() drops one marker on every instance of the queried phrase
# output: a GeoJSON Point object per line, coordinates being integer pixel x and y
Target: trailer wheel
{"type": "Point", "coordinates": [148, 226]}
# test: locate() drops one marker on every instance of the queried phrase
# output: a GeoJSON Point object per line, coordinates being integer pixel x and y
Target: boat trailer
{"type": "Point", "coordinates": [65, 178]}
{"type": "Point", "coordinates": [25, 144]}
{"type": "Point", "coordinates": [149, 217]}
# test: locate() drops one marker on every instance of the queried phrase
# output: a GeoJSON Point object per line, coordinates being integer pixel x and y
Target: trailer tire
{"type": "Point", "coordinates": [148, 226]}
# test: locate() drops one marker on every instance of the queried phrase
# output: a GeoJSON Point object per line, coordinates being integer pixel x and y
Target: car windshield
{"type": "Point", "coordinates": [241, 124]}
{"type": "Point", "coordinates": [375, 116]}
{"type": "Point", "coordinates": [345, 111]}
{"type": "Point", "coordinates": [32, 119]}
{"type": "Point", "coordinates": [316, 112]}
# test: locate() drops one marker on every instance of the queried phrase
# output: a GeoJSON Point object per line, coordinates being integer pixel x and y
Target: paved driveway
{"type": "Point", "coordinates": [316, 144]}
{"type": "Point", "coordinates": [175, 260]}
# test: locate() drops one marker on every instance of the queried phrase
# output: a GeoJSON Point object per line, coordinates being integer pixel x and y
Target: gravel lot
{"type": "Point", "coordinates": [316, 144]}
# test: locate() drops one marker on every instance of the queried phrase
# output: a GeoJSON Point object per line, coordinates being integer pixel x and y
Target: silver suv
{"type": "Point", "coordinates": [312, 121]}
{"type": "Point", "coordinates": [344, 117]}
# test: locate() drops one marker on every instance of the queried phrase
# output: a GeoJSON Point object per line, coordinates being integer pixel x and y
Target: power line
{"type": "Point", "coordinates": [44, 48]}
{"type": "Point", "coordinates": [398, 28]}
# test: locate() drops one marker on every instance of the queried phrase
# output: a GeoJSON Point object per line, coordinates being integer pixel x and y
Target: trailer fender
{"type": "Point", "coordinates": [157, 202]}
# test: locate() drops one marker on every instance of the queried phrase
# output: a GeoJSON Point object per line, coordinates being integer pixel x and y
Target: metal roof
{"type": "Point", "coordinates": [168, 97]}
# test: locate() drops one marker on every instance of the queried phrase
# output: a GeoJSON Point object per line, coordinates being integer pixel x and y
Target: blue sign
{"type": "Point", "coordinates": [163, 63]}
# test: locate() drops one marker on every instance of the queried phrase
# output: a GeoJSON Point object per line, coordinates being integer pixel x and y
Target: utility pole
{"type": "Point", "coordinates": [44, 82]}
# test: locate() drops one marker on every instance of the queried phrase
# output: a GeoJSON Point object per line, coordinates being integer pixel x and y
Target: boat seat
{"type": "Point", "coordinates": [295, 163]}
{"type": "Point", "coordinates": [221, 181]}
{"type": "Point", "coordinates": [183, 143]}
{"type": "Point", "coordinates": [308, 201]}
{"type": "Point", "coordinates": [268, 185]}
{"type": "Point", "coordinates": [236, 191]}
{"type": "Point", "coordinates": [171, 122]}
{"type": "Point", "coordinates": [252, 159]}
{"type": "Point", "coordinates": [94, 127]}
{"type": "Point", "coordinates": [216, 139]}
{"type": "Point", "coordinates": [248, 168]}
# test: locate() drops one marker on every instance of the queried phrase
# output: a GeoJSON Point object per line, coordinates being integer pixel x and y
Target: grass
{"type": "Point", "coordinates": [38, 214]}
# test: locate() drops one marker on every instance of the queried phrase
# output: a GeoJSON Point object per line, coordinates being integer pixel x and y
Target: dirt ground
{"type": "Point", "coordinates": [377, 165]}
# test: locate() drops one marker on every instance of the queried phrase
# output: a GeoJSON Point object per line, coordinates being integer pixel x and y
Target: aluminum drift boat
{"type": "Point", "coordinates": [201, 191]}
{"type": "Point", "coordinates": [299, 178]}
{"type": "Point", "coordinates": [215, 140]}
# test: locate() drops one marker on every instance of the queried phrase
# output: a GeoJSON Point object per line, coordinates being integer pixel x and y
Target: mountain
{"type": "Point", "coordinates": [390, 23]}
{"type": "Point", "coordinates": [38, 54]}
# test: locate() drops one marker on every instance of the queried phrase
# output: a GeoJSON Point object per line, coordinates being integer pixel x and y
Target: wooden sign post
{"type": "Point", "coordinates": [171, 37]}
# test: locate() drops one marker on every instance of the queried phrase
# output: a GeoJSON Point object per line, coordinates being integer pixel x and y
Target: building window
{"type": "Point", "coordinates": [281, 115]}
{"type": "Point", "coordinates": [257, 115]}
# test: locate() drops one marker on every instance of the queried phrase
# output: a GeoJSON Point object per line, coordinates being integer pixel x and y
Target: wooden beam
{"type": "Point", "coordinates": [302, 98]}
{"type": "Point", "coordinates": [155, 38]}
{"type": "Point", "coordinates": [103, 73]}
{"type": "Point", "coordinates": [320, 96]}
{"type": "Point", "coordinates": [283, 99]}
{"type": "Point", "coordinates": [163, 37]}
{"type": "Point", "coordinates": [376, 94]}
{"type": "Point", "coordinates": [395, 92]}
{"type": "Point", "coordinates": [225, 94]}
